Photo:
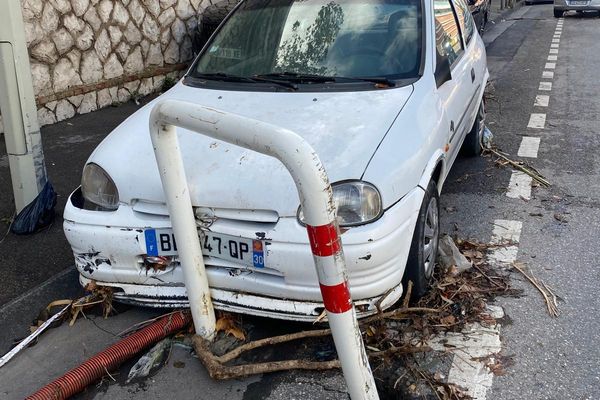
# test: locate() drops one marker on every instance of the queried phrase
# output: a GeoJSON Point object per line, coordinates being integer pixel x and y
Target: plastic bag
{"type": "Point", "coordinates": [38, 214]}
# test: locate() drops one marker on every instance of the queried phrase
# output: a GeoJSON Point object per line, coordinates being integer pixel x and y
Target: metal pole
{"type": "Point", "coordinates": [316, 198]}
{"type": "Point", "coordinates": [19, 112]}
{"type": "Point", "coordinates": [172, 174]}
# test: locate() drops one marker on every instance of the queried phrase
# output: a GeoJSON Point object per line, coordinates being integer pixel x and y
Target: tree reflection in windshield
{"type": "Point", "coordinates": [358, 38]}
{"type": "Point", "coordinates": [306, 49]}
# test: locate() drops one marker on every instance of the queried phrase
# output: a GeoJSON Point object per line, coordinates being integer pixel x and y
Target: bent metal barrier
{"type": "Point", "coordinates": [316, 199]}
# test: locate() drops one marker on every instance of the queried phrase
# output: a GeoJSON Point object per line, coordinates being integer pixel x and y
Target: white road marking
{"type": "Point", "coordinates": [537, 121]}
{"type": "Point", "coordinates": [519, 186]}
{"type": "Point", "coordinates": [476, 342]}
{"type": "Point", "coordinates": [552, 58]}
{"type": "Point", "coordinates": [557, 40]}
{"type": "Point", "coordinates": [505, 231]}
{"type": "Point", "coordinates": [550, 65]}
{"type": "Point", "coordinates": [555, 45]}
{"type": "Point", "coordinates": [548, 74]}
{"type": "Point", "coordinates": [541, 100]}
{"type": "Point", "coordinates": [529, 147]}
{"type": "Point", "coordinates": [545, 86]}
{"type": "Point", "coordinates": [553, 51]}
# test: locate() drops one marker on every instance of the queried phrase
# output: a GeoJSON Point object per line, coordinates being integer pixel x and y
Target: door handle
{"type": "Point", "coordinates": [452, 126]}
{"type": "Point", "coordinates": [472, 75]}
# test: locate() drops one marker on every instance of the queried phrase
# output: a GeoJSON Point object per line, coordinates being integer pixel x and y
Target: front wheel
{"type": "Point", "coordinates": [424, 246]}
{"type": "Point", "coordinates": [472, 145]}
{"type": "Point", "coordinates": [558, 13]}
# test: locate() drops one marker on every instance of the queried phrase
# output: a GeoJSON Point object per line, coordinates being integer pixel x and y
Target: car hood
{"type": "Point", "coordinates": [345, 128]}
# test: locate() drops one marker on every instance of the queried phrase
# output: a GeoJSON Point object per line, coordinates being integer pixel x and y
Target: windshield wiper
{"type": "Point", "coordinates": [300, 78]}
{"type": "Point", "coordinates": [220, 76]}
{"type": "Point", "coordinates": [296, 77]}
{"type": "Point", "coordinates": [382, 80]}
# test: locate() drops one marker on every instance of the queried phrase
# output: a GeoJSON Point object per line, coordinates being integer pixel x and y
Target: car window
{"type": "Point", "coordinates": [465, 19]}
{"type": "Point", "coordinates": [358, 38]}
{"type": "Point", "coordinates": [447, 35]}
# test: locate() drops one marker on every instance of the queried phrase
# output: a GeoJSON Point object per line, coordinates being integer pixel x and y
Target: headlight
{"type": "Point", "coordinates": [356, 202]}
{"type": "Point", "coordinates": [99, 191]}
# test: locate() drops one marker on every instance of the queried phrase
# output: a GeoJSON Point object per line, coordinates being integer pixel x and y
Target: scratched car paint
{"type": "Point", "coordinates": [386, 91]}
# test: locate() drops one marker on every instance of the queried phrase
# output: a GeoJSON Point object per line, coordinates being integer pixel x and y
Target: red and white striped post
{"type": "Point", "coordinates": [316, 199]}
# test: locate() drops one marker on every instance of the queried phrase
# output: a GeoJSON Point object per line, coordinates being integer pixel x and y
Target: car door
{"type": "Point", "coordinates": [454, 93]}
{"type": "Point", "coordinates": [473, 57]}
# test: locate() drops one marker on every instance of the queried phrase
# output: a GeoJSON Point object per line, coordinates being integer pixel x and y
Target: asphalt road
{"type": "Point", "coordinates": [554, 358]}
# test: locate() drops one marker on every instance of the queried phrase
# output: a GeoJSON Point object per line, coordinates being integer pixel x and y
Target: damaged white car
{"type": "Point", "coordinates": [386, 91]}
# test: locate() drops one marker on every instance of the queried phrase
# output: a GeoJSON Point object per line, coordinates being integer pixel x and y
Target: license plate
{"type": "Point", "coordinates": [250, 252]}
{"type": "Point", "coordinates": [579, 3]}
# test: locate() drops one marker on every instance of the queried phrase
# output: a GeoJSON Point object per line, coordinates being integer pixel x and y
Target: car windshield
{"type": "Point", "coordinates": [304, 39]}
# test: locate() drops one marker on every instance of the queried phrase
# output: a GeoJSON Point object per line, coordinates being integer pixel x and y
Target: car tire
{"type": "Point", "coordinates": [472, 144]}
{"type": "Point", "coordinates": [423, 249]}
{"type": "Point", "coordinates": [558, 13]}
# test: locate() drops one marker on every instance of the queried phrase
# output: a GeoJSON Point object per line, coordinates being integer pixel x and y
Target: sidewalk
{"type": "Point", "coordinates": [497, 14]}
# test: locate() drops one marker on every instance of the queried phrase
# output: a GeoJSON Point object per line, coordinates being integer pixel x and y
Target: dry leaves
{"type": "Point", "coordinates": [227, 324]}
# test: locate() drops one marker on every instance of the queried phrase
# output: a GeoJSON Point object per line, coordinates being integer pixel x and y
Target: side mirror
{"type": "Point", "coordinates": [442, 70]}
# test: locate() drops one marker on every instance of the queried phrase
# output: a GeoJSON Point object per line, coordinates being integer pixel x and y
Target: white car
{"type": "Point", "coordinates": [386, 91]}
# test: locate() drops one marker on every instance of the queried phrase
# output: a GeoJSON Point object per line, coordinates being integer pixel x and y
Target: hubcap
{"type": "Point", "coordinates": [430, 237]}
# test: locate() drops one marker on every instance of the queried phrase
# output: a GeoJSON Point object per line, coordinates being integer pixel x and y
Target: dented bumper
{"type": "Point", "coordinates": [109, 248]}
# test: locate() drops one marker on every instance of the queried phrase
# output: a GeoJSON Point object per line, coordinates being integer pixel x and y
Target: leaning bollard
{"type": "Point", "coordinates": [172, 174]}
{"type": "Point", "coordinates": [316, 199]}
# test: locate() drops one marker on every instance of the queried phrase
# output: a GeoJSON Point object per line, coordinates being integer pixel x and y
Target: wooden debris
{"type": "Point", "coordinates": [528, 171]}
{"type": "Point", "coordinates": [549, 297]}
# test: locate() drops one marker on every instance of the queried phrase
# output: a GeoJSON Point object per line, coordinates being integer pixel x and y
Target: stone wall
{"type": "Point", "coordinates": [88, 54]}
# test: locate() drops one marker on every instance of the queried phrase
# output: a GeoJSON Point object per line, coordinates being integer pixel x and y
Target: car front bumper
{"type": "Point", "coordinates": [109, 246]}
{"type": "Point", "coordinates": [569, 5]}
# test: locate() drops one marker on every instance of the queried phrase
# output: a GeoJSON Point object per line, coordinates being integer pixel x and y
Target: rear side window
{"type": "Point", "coordinates": [465, 19]}
{"type": "Point", "coordinates": [447, 35]}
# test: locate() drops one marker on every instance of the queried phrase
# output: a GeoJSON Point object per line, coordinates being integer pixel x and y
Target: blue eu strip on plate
{"type": "Point", "coordinates": [151, 247]}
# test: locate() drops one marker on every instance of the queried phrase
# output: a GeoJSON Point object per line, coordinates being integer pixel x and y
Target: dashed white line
{"type": "Point", "coordinates": [519, 186]}
{"type": "Point", "coordinates": [541, 100]}
{"type": "Point", "coordinates": [537, 121]}
{"type": "Point", "coordinates": [550, 65]}
{"type": "Point", "coordinates": [553, 51]}
{"type": "Point", "coordinates": [555, 45]}
{"type": "Point", "coordinates": [529, 147]}
{"type": "Point", "coordinates": [505, 231]}
{"type": "Point", "coordinates": [557, 40]}
{"type": "Point", "coordinates": [477, 342]}
{"type": "Point", "coordinates": [546, 86]}
{"type": "Point", "coordinates": [552, 57]}
{"type": "Point", "coordinates": [548, 74]}
{"type": "Point", "coordinates": [473, 344]}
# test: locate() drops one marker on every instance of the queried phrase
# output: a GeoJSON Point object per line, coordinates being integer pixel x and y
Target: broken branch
{"type": "Point", "coordinates": [217, 370]}
{"type": "Point", "coordinates": [521, 168]}
{"type": "Point", "coordinates": [551, 305]}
